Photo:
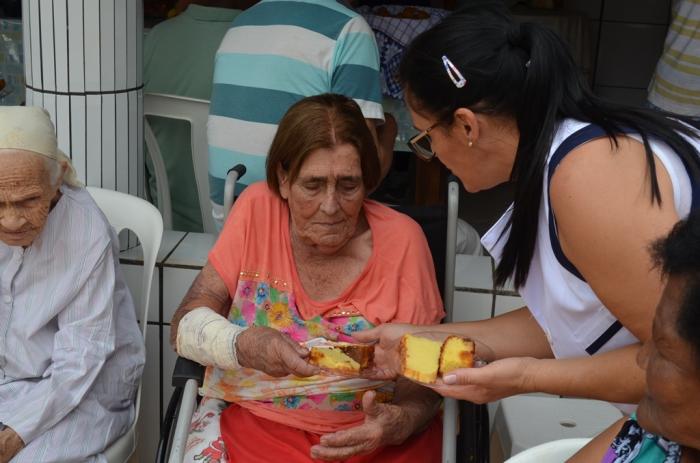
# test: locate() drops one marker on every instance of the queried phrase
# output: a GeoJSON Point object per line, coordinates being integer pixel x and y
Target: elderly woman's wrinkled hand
{"type": "Point", "coordinates": [10, 444]}
{"type": "Point", "coordinates": [273, 353]}
{"type": "Point", "coordinates": [385, 424]}
{"type": "Point", "coordinates": [502, 378]}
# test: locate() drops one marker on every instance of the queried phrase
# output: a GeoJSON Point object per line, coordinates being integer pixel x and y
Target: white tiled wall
{"type": "Point", "coordinates": [160, 358]}
{"type": "Point", "coordinates": [133, 275]}
{"type": "Point", "coordinates": [473, 272]}
{"type": "Point", "coordinates": [507, 303]}
{"type": "Point", "coordinates": [476, 297]}
{"type": "Point", "coordinates": [469, 306]}
{"type": "Point", "coordinates": [176, 282]}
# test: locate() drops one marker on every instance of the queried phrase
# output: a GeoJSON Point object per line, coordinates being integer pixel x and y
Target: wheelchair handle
{"type": "Point", "coordinates": [239, 168]}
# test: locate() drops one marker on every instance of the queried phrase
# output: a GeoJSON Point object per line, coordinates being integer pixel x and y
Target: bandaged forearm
{"type": "Point", "coordinates": [208, 338]}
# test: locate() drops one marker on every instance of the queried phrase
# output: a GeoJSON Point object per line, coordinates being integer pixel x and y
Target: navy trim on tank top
{"type": "Point", "coordinates": [573, 141]}
{"type": "Point", "coordinates": [604, 338]}
{"type": "Point", "coordinates": [581, 136]}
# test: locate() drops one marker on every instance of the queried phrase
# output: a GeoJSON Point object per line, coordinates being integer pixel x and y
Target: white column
{"type": "Point", "coordinates": [83, 64]}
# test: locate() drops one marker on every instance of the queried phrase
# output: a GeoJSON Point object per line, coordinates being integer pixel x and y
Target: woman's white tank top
{"type": "Point", "coordinates": [575, 321]}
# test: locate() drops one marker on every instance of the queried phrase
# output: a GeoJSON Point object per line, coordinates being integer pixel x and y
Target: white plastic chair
{"type": "Point", "coordinates": [557, 451]}
{"type": "Point", "coordinates": [196, 112]}
{"type": "Point", "coordinates": [557, 418]}
{"type": "Point", "coordinates": [129, 212]}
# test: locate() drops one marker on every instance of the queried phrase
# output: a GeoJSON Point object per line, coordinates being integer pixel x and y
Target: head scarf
{"type": "Point", "coordinates": [29, 128]}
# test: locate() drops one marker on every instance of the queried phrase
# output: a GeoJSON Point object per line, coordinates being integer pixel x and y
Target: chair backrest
{"type": "Point", "coordinates": [125, 211]}
{"type": "Point", "coordinates": [129, 212]}
{"type": "Point", "coordinates": [196, 112]}
{"type": "Point", "coordinates": [550, 452]}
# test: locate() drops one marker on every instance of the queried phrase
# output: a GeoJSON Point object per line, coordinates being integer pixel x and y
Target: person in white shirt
{"type": "Point", "coordinates": [71, 354]}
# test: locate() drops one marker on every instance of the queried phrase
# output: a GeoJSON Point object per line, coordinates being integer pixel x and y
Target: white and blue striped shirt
{"type": "Point", "coordinates": [276, 53]}
{"type": "Point", "coordinates": [71, 353]}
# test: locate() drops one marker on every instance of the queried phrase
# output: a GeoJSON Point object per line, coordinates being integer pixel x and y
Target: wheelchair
{"type": "Point", "coordinates": [465, 425]}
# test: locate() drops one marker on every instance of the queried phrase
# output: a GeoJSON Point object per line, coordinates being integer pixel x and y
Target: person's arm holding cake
{"type": "Point", "coordinates": [513, 334]}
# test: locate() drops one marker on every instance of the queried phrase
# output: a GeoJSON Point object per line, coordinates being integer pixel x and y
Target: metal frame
{"type": "Point", "coordinates": [450, 406]}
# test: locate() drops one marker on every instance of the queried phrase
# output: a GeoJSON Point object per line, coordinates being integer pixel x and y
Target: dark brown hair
{"type": "Point", "coordinates": [321, 121]}
{"type": "Point", "coordinates": [678, 255]}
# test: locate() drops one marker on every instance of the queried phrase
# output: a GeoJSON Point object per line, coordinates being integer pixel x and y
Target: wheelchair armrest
{"type": "Point", "coordinates": [187, 369]}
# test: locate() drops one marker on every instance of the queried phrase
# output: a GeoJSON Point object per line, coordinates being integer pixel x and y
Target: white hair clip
{"type": "Point", "coordinates": [453, 73]}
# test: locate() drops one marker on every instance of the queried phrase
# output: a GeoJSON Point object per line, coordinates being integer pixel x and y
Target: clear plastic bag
{"type": "Point", "coordinates": [12, 89]}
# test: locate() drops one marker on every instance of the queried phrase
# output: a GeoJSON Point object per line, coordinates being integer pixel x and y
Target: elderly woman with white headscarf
{"type": "Point", "coordinates": [71, 354]}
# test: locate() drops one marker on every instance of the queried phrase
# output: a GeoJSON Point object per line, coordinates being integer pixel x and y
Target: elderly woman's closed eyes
{"type": "Point", "coordinates": [307, 256]}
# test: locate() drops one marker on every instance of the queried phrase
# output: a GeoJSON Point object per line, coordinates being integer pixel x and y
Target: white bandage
{"type": "Point", "coordinates": [208, 338]}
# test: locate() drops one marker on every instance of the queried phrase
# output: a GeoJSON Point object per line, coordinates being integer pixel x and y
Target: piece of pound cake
{"type": "Point", "coordinates": [456, 352]}
{"type": "Point", "coordinates": [423, 359]}
{"type": "Point", "coordinates": [420, 358]}
{"type": "Point", "coordinates": [342, 357]}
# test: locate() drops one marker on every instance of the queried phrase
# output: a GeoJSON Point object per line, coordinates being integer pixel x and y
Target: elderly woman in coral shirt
{"type": "Point", "coordinates": [303, 256]}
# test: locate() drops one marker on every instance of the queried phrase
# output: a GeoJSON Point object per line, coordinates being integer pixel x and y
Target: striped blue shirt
{"type": "Point", "coordinates": [71, 353]}
{"type": "Point", "coordinates": [275, 54]}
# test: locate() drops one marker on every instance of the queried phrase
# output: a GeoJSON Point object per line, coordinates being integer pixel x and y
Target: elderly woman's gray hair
{"type": "Point", "coordinates": [29, 128]}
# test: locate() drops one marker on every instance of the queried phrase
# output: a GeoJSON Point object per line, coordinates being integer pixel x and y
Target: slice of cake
{"type": "Point", "coordinates": [342, 357]}
{"type": "Point", "coordinates": [456, 353]}
{"type": "Point", "coordinates": [424, 359]}
{"type": "Point", "coordinates": [419, 358]}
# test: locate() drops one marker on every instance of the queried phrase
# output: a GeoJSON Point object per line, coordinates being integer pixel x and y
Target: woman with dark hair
{"type": "Point", "coordinates": [595, 182]}
{"type": "Point", "coordinates": [665, 427]}
{"type": "Point", "coordinates": [301, 257]}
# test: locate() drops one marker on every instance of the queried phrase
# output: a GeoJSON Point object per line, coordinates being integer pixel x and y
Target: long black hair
{"type": "Point", "coordinates": [679, 255]}
{"type": "Point", "coordinates": [524, 71]}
